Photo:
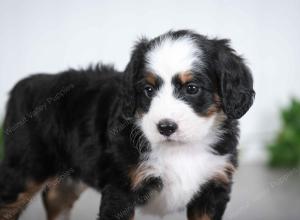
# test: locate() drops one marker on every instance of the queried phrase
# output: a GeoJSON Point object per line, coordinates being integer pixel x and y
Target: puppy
{"type": "Point", "coordinates": [161, 136]}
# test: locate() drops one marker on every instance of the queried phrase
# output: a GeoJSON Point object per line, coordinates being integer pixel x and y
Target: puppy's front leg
{"type": "Point", "coordinates": [116, 204]}
{"type": "Point", "coordinates": [211, 202]}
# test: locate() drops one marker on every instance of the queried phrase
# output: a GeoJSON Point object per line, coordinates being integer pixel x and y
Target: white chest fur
{"type": "Point", "coordinates": [183, 171]}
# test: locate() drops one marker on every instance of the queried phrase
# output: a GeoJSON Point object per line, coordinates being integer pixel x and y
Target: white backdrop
{"type": "Point", "coordinates": [52, 35]}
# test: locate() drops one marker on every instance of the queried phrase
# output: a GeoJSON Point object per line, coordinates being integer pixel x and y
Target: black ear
{"type": "Point", "coordinates": [130, 77]}
{"type": "Point", "coordinates": [235, 83]}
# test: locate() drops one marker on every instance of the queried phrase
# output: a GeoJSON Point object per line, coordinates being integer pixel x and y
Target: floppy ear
{"type": "Point", "coordinates": [132, 70]}
{"type": "Point", "coordinates": [235, 83]}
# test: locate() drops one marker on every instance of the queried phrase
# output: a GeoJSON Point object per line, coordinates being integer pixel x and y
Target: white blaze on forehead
{"type": "Point", "coordinates": [172, 56]}
{"type": "Point", "coordinates": [167, 58]}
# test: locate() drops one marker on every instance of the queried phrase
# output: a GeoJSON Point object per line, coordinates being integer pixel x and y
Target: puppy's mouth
{"type": "Point", "coordinates": [171, 141]}
{"type": "Point", "coordinates": [168, 140]}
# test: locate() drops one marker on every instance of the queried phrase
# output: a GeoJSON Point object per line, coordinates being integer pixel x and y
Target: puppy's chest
{"type": "Point", "coordinates": [183, 174]}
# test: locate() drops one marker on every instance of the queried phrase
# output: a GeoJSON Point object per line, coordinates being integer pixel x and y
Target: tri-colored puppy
{"type": "Point", "coordinates": [162, 135]}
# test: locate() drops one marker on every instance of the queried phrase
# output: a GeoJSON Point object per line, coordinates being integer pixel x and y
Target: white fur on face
{"type": "Point", "coordinates": [170, 57]}
{"type": "Point", "coordinates": [185, 162]}
{"type": "Point", "coordinates": [191, 127]}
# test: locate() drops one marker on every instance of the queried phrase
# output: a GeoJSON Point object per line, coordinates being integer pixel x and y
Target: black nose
{"type": "Point", "coordinates": [166, 127]}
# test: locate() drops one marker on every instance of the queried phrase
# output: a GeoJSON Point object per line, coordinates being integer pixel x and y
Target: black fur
{"type": "Point", "coordinates": [82, 120]}
{"type": "Point", "coordinates": [236, 81]}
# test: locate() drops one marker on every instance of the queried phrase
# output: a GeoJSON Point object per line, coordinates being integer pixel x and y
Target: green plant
{"type": "Point", "coordinates": [285, 150]}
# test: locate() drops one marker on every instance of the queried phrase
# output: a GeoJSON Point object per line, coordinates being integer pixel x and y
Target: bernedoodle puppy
{"type": "Point", "coordinates": [160, 136]}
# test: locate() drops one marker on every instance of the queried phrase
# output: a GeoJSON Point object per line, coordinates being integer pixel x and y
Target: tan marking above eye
{"type": "Point", "coordinates": [185, 77]}
{"type": "Point", "coordinates": [200, 217]}
{"type": "Point", "coordinates": [151, 79]}
{"type": "Point", "coordinates": [205, 217]}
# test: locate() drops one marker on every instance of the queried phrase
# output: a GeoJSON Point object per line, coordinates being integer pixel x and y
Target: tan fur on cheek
{"type": "Point", "coordinates": [211, 110]}
{"type": "Point", "coordinates": [214, 108]}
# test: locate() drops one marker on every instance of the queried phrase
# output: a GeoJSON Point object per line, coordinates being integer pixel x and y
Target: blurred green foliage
{"type": "Point", "coordinates": [285, 150]}
{"type": "Point", "coordinates": [1, 143]}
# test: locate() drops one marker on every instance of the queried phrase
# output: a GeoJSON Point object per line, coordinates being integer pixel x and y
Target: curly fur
{"type": "Point", "coordinates": [89, 121]}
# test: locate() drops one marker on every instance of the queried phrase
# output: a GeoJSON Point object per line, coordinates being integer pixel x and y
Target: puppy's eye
{"type": "Point", "coordinates": [192, 89]}
{"type": "Point", "coordinates": [149, 91]}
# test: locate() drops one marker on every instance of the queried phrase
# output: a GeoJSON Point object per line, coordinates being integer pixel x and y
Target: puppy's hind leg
{"type": "Point", "coordinates": [60, 196]}
{"type": "Point", "coordinates": [16, 191]}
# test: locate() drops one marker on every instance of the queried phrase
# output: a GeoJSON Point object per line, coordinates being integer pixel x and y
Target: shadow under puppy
{"type": "Point", "coordinates": [161, 136]}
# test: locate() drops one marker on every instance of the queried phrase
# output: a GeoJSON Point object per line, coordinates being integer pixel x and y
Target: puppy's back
{"type": "Point", "coordinates": [44, 111]}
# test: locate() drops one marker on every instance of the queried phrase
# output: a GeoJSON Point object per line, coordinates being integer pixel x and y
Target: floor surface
{"type": "Point", "coordinates": [258, 194]}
